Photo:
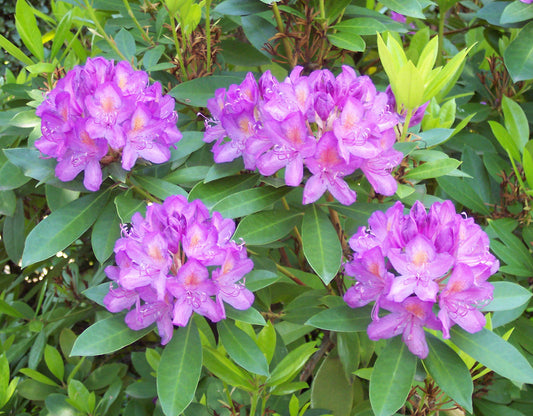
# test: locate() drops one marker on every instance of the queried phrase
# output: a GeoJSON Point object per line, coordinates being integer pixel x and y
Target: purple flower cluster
{"type": "Point", "coordinates": [408, 264]}
{"type": "Point", "coordinates": [330, 125]}
{"type": "Point", "coordinates": [101, 112]}
{"type": "Point", "coordinates": [176, 261]}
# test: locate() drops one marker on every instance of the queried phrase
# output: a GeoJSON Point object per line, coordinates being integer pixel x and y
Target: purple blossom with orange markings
{"type": "Point", "coordinates": [100, 113]}
{"type": "Point", "coordinates": [175, 261]}
{"type": "Point", "coordinates": [429, 269]}
{"type": "Point", "coordinates": [318, 127]}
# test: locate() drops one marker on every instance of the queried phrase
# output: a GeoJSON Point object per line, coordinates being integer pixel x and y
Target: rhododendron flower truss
{"type": "Point", "coordinates": [100, 113]}
{"type": "Point", "coordinates": [330, 125]}
{"type": "Point", "coordinates": [176, 261]}
{"type": "Point", "coordinates": [429, 269]}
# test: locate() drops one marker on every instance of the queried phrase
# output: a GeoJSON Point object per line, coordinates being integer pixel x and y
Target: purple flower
{"type": "Point", "coordinates": [428, 268]}
{"type": "Point", "coordinates": [100, 112]}
{"type": "Point", "coordinates": [327, 125]}
{"type": "Point", "coordinates": [527, 1]}
{"type": "Point", "coordinates": [176, 261]}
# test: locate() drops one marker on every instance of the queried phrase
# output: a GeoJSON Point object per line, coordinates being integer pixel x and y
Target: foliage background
{"type": "Point", "coordinates": [301, 350]}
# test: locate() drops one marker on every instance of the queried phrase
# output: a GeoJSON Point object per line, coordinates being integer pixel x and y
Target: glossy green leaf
{"type": "Point", "coordinates": [331, 389]}
{"type": "Point", "coordinates": [463, 193]}
{"type": "Point", "coordinates": [106, 336]}
{"type": "Point", "coordinates": [434, 137]}
{"type": "Point", "coordinates": [28, 30]}
{"type": "Point", "coordinates": [516, 122]}
{"type": "Point", "coordinates": [413, 8]}
{"type": "Point", "coordinates": [59, 197]}
{"type": "Point", "coordinates": [14, 51]}
{"type": "Point", "coordinates": [391, 378]}
{"type": "Point", "coordinates": [249, 201]}
{"type": "Point", "coordinates": [527, 163]}
{"type": "Point", "coordinates": [518, 56]}
{"type": "Point", "coordinates": [514, 244]}
{"type": "Point", "coordinates": [127, 206]}
{"type": "Point", "coordinates": [186, 175]}
{"type": "Point", "coordinates": [35, 375]}
{"type": "Point", "coordinates": [197, 91]}
{"type": "Point", "coordinates": [240, 7]}
{"type": "Point", "coordinates": [242, 349]}
{"type": "Point", "coordinates": [321, 244]}
{"type": "Point", "coordinates": [224, 369]}
{"type": "Point", "coordinates": [516, 11]}
{"type": "Point", "coordinates": [267, 226]}
{"type": "Point", "coordinates": [347, 40]}
{"type": "Point", "coordinates": [348, 347]}
{"type": "Point", "coordinates": [189, 143]}
{"type": "Point", "coordinates": [433, 169]}
{"type": "Point", "coordinates": [494, 353]}
{"type": "Point", "coordinates": [505, 139]}
{"type": "Point", "coordinates": [179, 370]}
{"type": "Point", "coordinates": [361, 26]}
{"type": "Point", "coordinates": [11, 176]}
{"type": "Point", "coordinates": [449, 372]}
{"type": "Point", "coordinates": [507, 296]}
{"type": "Point", "coordinates": [62, 227]}
{"type": "Point", "coordinates": [62, 30]}
{"type": "Point", "coordinates": [31, 164]}
{"type": "Point", "coordinates": [250, 315]}
{"type": "Point", "coordinates": [266, 341]}
{"type": "Point", "coordinates": [13, 234]}
{"type": "Point", "coordinates": [489, 408]}
{"type": "Point", "coordinates": [106, 232]}
{"type": "Point", "coordinates": [291, 364]}
{"type": "Point", "coordinates": [54, 362]}
{"type": "Point", "coordinates": [242, 54]}
{"type": "Point", "coordinates": [57, 405]}
{"type": "Point", "coordinates": [342, 318]}
{"type": "Point", "coordinates": [212, 192]}
{"type": "Point", "coordinates": [8, 203]}
{"type": "Point", "coordinates": [125, 43]}
{"type": "Point", "coordinates": [159, 187]}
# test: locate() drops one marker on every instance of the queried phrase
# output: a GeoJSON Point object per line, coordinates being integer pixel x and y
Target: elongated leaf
{"type": "Point", "coordinates": [342, 319]}
{"type": "Point", "coordinates": [249, 201]}
{"type": "Point", "coordinates": [516, 11]}
{"type": "Point", "coordinates": [347, 40]}
{"type": "Point", "coordinates": [507, 296]}
{"type": "Point", "coordinates": [266, 227]}
{"type": "Point", "coordinates": [127, 206]}
{"type": "Point", "coordinates": [125, 43]}
{"type": "Point", "coordinates": [179, 370]}
{"type": "Point", "coordinates": [449, 372]}
{"type": "Point", "coordinates": [28, 29]}
{"type": "Point", "coordinates": [287, 368]}
{"type": "Point", "coordinates": [242, 349]}
{"type": "Point", "coordinates": [518, 56]}
{"type": "Point", "coordinates": [527, 163]}
{"type": "Point", "coordinates": [495, 353]}
{"type": "Point", "coordinates": [106, 336]}
{"type": "Point", "coordinates": [433, 169]}
{"type": "Point", "coordinates": [62, 227]}
{"type": "Point", "coordinates": [224, 369]}
{"type": "Point", "coordinates": [159, 187]}
{"type": "Point", "coordinates": [106, 232]}
{"type": "Point", "coordinates": [14, 51]}
{"type": "Point", "coordinates": [505, 139]}
{"type": "Point", "coordinates": [361, 26]}
{"type": "Point", "coordinates": [321, 244]}
{"type": "Point", "coordinates": [13, 234]}
{"type": "Point", "coordinates": [199, 90]}
{"type": "Point", "coordinates": [519, 251]}
{"type": "Point", "coordinates": [11, 177]}
{"type": "Point", "coordinates": [463, 193]}
{"type": "Point", "coordinates": [212, 192]}
{"type": "Point", "coordinates": [250, 315]}
{"type": "Point", "coordinates": [515, 122]}
{"type": "Point", "coordinates": [411, 8]}
{"type": "Point", "coordinates": [391, 378]}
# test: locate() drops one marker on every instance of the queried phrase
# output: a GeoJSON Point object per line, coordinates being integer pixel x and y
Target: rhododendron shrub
{"type": "Point", "coordinates": [99, 113]}
{"type": "Point", "coordinates": [427, 268]}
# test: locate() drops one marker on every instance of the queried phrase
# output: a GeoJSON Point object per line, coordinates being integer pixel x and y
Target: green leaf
{"type": "Point", "coordinates": [224, 369]}
{"type": "Point", "coordinates": [321, 244]}
{"type": "Point", "coordinates": [59, 197]}
{"type": "Point", "coordinates": [434, 137]}
{"type": "Point", "coordinates": [179, 370]}
{"type": "Point", "coordinates": [518, 56]}
{"type": "Point", "coordinates": [449, 372]}
{"type": "Point", "coordinates": [57, 405]}
{"type": "Point", "coordinates": [11, 49]}
{"type": "Point", "coordinates": [240, 7]}
{"type": "Point", "coordinates": [241, 348]}
{"type": "Point", "coordinates": [189, 143]}
{"type": "Point", "coordinates": [489, 408]}
{"type": "Point", "coordinates": [242, 54]}
{"type": "Point", "coordinates": [125, 43]}
{"type": "Point", "coordinates": [13, 234]}
{"type": "Point", "coordinates": [494, 353]}
{"type": "Point", "coordinates": [267, 226]}
{"type": "Point", "coordinates": [212, 192]}
{"type": "Point", "coordinates": [515, 122]}
{"type": "Point", "coordinates": [7, 309]}
{"type": "Point", "coordinates": [411, 8]}
{"type": "Point", "coordinates": [31, 164]}
{"type": "Point", "coordinates": [391, 378]}
{"type": "Point", "coordinates": [11, 177]}
{"type": "Point", "coordinates": [516, 11]}
{"type": "Point", "coordinates": [28, 30]}
{"type": "Point", "coordinates": [250, 315]}
{"type": "Point", "coordinates": [463, 193]}
{"type": "Point", "coordinates": [347, 40]}
{"type": "Point", "coordinates": [106, 232]}
{"type": "Point", "coordinates": [35, 375]}
{"type": "Point", "coordinates": [62, 30]}
{"type": "Point", "coordinates": [54, 362]}
{"type": "Point", "coordinates": [513, 243]}
{"type": "Point", "coordinates": [505, 139]}
{"type": "Point", "coordinates": [249, 201]}
{"type": "Point", "coordinates": [433, 169]}
{"type": "Point", "coordinates": [106, 336]}
{"type": "Point", "coordinates": [197, 91]}
{"type": "Point", "coordinates": [507, 296]}
{"type": "Point", "coordinates": [360, 26]}
{"type": "Point", "coordinates": [159, 187]}
{"type": "Point", "coordinates": [127, 206]}
{"type": "Point", "coordinates": [342, 318]}
{"type": "Point", "coordinates": [8, 203]}
{"type": "Point", "coordinates": [331, 389]}
{"type": "Point", "coordinates": [291, 364]}
{"type": "Point", "coordinates": [527, 163]}
{"type": "Point", "coordinates": [62, 227]}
